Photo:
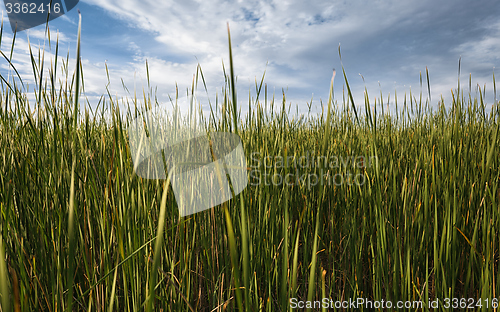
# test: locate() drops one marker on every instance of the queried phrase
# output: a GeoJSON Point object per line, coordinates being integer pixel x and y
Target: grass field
{"type": "Point", "coordinates": [419, 219]}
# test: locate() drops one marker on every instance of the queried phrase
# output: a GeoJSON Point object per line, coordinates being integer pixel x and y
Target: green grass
{"type": "Point", "coordinates": [80, 231]}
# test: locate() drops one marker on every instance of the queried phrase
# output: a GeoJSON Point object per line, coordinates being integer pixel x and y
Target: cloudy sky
{"type": "Point", "coordinates": [296, 42]}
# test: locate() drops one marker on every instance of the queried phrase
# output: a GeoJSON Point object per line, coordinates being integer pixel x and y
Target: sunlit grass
{"type": "Point", "coordinates": [79, 228]}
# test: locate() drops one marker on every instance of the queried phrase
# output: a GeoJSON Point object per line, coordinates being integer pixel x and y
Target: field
{"type": "Point", "coordinates": [409, 209]}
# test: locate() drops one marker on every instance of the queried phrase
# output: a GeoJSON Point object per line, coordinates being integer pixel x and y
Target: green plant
{"type": "Point", "coordinates": [81, 231]}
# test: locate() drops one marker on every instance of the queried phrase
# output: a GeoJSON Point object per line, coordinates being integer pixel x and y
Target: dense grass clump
{"type": "Point", "coordinates": [406, 206]}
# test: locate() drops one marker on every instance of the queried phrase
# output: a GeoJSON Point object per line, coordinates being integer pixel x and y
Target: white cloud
{"type": "Point", "coordinates": [298, 39]}
{"type": "Point", "coordinates": [41, 34]}
{"type": "Point", "coordinates": [284, 33]}
{"type": "Point", "coordinates": [483, 51]}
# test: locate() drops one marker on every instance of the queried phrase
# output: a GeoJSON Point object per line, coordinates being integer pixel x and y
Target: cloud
{"type": "Point", "coordinates": [483, 51]}
{"type": "Point", "coordinates": [41, 35]}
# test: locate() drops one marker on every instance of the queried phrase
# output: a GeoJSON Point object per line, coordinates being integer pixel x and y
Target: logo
{"type": "Point", "coordinates": [205, 168]}
{"type": "Point", "coordinates": [28, 14]}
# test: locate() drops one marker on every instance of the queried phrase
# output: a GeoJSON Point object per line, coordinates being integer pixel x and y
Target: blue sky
{"type": "Point", "coordinates": [387, 42]}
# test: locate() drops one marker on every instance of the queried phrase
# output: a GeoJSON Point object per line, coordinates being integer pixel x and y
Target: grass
{"type": "Point", "coordinates": [80, 231]}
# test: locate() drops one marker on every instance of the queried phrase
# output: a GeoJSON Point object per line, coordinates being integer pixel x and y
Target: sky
{"type": "Point", "coordinates": [385, 45]}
